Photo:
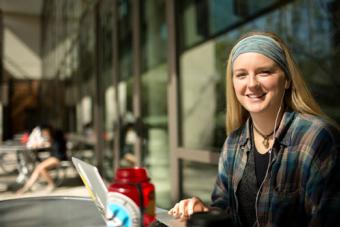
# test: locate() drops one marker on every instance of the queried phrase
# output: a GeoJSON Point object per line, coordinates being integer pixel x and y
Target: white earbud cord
{"type": "Point", "coordinates": [276, 118]}
{"type": "Point", "coordinates": [270, 158]}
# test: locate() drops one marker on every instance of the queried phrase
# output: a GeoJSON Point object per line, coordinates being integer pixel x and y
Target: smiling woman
{"type": "Point", "coordinates": [259, 84]}
{"type": "Point", "coordinates": [281, 156]}
{"type": "Point", "coordinates": [297, 96]}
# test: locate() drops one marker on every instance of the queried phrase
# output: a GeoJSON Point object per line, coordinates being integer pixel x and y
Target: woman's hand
{"type": "Point", "coordinates": [184, 208]}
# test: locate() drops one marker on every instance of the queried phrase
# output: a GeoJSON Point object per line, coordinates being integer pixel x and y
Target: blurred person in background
{"type": "Point", "coordinates": [55, 141]}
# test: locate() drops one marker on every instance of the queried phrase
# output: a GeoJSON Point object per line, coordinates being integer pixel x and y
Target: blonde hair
{"type": "Point", "coordinates": [297, 96]}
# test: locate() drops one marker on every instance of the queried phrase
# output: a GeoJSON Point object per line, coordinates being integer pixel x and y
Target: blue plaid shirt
{"type": "Point", "coordinates": [302, 186]}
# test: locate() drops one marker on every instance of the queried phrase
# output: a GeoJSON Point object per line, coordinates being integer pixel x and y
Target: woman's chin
{"type": "Point", "coordinates": [256, 109]}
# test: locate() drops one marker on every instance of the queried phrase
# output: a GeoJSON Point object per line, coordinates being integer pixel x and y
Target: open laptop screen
{"type": "Point", "coordinates": [93, 183]}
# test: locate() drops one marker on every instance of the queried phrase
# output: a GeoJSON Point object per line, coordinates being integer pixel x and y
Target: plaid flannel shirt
{"type": "Point", "coordinates": [302, 184]}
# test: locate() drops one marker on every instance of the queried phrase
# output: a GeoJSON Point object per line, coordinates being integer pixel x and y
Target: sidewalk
{"type": "Point", "coordinates": [72, 186]}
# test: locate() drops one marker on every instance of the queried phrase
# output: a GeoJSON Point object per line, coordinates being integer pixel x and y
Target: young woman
{"type": "Point", "coordinates": [57, 144]}
{"type": "Point", "coordinates": [280, 162]}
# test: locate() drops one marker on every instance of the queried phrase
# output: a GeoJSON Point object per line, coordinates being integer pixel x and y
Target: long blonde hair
{"type": "Point", "coordinates": [297, 96]}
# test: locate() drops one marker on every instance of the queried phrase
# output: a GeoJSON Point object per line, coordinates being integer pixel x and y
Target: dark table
{"type": "Point", "coordinates": [50, 211]}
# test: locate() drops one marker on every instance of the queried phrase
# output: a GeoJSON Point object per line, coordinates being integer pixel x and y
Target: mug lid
{"type": "Point", "coordinates": [136, 174]}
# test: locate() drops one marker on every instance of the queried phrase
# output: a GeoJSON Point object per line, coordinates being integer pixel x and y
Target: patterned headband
{"type": "Point", "coordinates": [264, 45]}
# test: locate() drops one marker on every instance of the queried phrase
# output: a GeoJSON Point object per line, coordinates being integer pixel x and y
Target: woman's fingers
{"type": "Point", "coordinates": [187, 207]}
{"type": "Point", "coordinates": [174, 210]}
{"type": "Point", "coordinates": [191, 206]}
{"type": "Point", "coordinates": [183, 208]}
{"type": "Point", "coordinates": [179, 209]}
{"type": "Point", "coordinates": [196, 205]}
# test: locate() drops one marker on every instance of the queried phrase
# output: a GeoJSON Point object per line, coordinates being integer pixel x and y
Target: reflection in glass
{"type": "Point", "coordinates": [202, 97]}
{"type": "Point", "coordinates": [125, 85]}
{"type": "Point", "coordinates": [154, 98]}
{"type": "Point", "coordinates": [201, 19]}
{"type": "Point", "coordinates": [309, 29]}
{"type": "Point", "coordinates": [106, 90]}
{"type": "Point", "coordinates": [193, 185]}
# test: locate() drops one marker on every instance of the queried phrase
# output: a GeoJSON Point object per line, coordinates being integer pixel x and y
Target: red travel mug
{"type": "Point", "coordinates": [135, 184]}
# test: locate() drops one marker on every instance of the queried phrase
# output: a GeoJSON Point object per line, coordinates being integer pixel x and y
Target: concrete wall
{"type": "Point", "coordinates": [22, 55]}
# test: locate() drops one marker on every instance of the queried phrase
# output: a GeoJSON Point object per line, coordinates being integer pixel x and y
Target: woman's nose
{"type": "Point", "coordinates": [252, 81]}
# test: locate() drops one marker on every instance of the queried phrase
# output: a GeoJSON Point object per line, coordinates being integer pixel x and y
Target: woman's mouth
{"type": "Point", "coordinates": [256, 96]}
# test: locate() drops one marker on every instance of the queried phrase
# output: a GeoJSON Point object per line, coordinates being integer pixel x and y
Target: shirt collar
{"type": "Point", "coordinates": [281, 136]}
{"type": "Point", "coordinates": [245, 139]}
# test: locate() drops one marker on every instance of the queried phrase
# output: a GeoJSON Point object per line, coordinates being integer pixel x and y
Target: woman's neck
{"type": "Point", "coordinates": [265, 123]}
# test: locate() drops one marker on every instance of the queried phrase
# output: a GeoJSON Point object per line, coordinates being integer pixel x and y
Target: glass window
{"type": "Point", "coordinates": [106, 90]}
{"type": "Point", "coordinates": [193, 185]}
{"type": "Point", "coordinates": [125, 86]}
{"type": "Point", "coordinates": [202, 89]}
{"type": "Point", "coordinates": [87, 46]}
{"type": "Point", "coordinates": [202, 19]}
{"type": "Point", "coordinates": [154, 97]}
{"type": "Point", "coordinates": [154, 33]}
{"type": "Point", "coordinates": [224, 14]}
{"type": "Point", "coordinates": [309, 29]}
{"type": "Point", "coordinates": [125, 39]}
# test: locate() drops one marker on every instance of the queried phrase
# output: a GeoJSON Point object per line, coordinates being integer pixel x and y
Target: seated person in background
{"type": "Point", "coordinates": [39, 138]}
{"type": "Point", "coordinates": [55, 139]}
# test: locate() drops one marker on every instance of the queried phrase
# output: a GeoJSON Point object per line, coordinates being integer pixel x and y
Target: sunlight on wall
{"type": "Point", "coordinates": [198, 89]}
{"type": "Point", "coordinates": [19, 59]}
{"type": "Point", "coordinates": [110, 110]}
{"type": "Point", "coordinates": [86, 110]}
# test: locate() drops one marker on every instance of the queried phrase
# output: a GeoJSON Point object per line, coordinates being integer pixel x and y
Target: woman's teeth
{"type": "Point", "coordinates": [256, 96]}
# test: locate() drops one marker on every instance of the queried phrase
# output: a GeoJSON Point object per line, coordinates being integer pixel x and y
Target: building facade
{"type": "Point", "coordinates": [156, 68]}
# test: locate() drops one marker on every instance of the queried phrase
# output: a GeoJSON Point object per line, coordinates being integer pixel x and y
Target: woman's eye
{"type": "Point", "coordinates": [240, 75]}
{"type": "Point", "coordinates": [265, 73]}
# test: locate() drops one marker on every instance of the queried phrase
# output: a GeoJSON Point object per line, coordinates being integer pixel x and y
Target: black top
{"type": "Point", "coordinates": [261, 164]}
{"type": "Point", "coordinates": [58, 146]}
{"type": "Point", "coordinates": [252, 178]}
{"type": "Point", "coordinates": [246, 193]}
{"type": "Point", "coordinates": [58, 150]}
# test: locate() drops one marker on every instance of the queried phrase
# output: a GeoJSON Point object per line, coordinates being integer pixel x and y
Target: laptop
{"type": "Point", "coordinates": [99, 193]}
{"type": "Point", "coordinates": [93, 183]}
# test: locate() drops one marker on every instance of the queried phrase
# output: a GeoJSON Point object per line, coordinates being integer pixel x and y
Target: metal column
{"type": "Point", "coordinates": [136, 47]}
{"type": "Point", "coordinates": [175, 162]}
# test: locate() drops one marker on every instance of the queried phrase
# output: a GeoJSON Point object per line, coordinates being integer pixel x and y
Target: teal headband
{"type": "Point", "coordinates": [264, 45]}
